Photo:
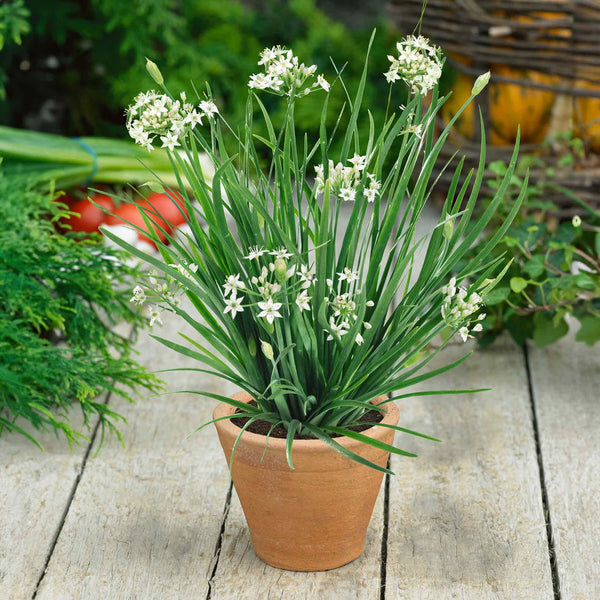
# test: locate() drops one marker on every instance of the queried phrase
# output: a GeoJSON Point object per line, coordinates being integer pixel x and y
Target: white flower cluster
{"type": "Point", "coordinates": [154, 115]}
{"type": "Point", "coordinates": [278, 284]}
{"type": "Point", "coordinates": [164, 291]}
{"type": "Point", "coordinates": [285, 74]}
{"type": "Point", "coordinates": [458, 307]}
{"type": "Point", "coordinates": [419, 64]}
{"type": "Point", "coordinates": [345, 180]}
{"type": "Point", "coordinates": [266, 287]}
{"type": "Point", "coordinates": [342, 305]}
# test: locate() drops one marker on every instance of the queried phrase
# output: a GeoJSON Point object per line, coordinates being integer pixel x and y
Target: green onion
{"type": "Point", "coordinates": [81, 161]}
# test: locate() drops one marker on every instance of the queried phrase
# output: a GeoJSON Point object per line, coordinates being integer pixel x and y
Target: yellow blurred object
{"type": "Point", "coordinates": [587, 117]}
{"type": "Point", "coordinates": [461, 90]}
{"type": "Point", "coordinates": [559, 32]}
{"type": "Point", "coordinates": [510, 105]}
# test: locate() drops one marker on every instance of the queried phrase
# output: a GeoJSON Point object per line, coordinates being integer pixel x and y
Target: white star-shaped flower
{"type": "Point", "coordinates": [348, 275]}
{"type": "Point", "coordinates": [392, 75]}
{"type": "Point", "coordinates": [306, 276]}
{"type": "Point", "coordinates": [232, 284]}
{"type": "Point", "coordinates": [169, 141]}
{"type": "Point", "coordinates": [234, 305]}
{"type": "Point", "coordinates": [139, 296]}
{"type": "Point", "coordinates": [154, 313]}
{"type": "Point", "coordinates": [340, 329]}
{"type": "Point", "coordinates": [323, 83]}
{"type": "Point", "coordinates": [303, 301]}
{"type": "Point", "coordinates": [254, 252]}
{"type": "Point", "coordinates": [193, 118]}
{"type": "Point", "coordinates": [208, 108]}
{"type": "Point", "coordinates": [359, 162]}
{"type": "Point", "coordinates": [281, 253]}
{"type": "Point", "coordinates": [348, 194]}
{"type": "Point", "coordinates": [269, 54]}
{"type": "Point", "coordinates": [269, 310]}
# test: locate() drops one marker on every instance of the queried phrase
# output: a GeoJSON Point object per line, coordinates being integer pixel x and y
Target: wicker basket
{"type": "Point", "coordinates": [559, 39]}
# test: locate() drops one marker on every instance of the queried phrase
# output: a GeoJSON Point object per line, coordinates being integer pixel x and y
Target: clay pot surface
{"type": "Point", "coordinates": [314, 517]}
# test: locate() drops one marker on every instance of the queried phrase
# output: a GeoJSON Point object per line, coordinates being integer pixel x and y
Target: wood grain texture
{"type": "Point", "coordinates": [466, 519]}
{"type": "Point", "coordinates": [242, 575]}
{"type": "Point", "coordinates": [145, 520]}
{"type": "Point", "coordinates": [35, 488]}
{"type": "Point", "coordinates": [566, 390]}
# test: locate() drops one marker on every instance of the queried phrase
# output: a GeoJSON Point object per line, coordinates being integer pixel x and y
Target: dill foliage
{"type": "Point", "coordinates": [61, 297]}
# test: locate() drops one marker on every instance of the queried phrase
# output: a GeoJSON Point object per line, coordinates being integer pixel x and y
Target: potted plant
{"type": "Point", "coordinates": [307, 327]}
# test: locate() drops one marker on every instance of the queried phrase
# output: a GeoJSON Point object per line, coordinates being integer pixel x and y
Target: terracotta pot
{"type": "Point", "coordinates": [314, 517]}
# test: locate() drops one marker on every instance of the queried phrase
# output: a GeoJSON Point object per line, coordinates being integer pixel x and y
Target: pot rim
{"type": "Point", "coordinates": [258, 440]}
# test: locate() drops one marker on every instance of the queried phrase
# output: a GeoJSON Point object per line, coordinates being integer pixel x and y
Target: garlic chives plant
{"type": "Point", "coordinates": [302, 326]}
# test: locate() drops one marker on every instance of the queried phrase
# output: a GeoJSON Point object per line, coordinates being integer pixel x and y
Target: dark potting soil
{"type": "Point", "coordinates": [263, 427]}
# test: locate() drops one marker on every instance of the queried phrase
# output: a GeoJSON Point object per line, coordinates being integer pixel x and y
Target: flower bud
{"type": "Point", "coordinates": [280, 270]}
{"type": "Point", "coordinates": [252, 346]}
{"type": "Point", "coordinates": [480, 83]}
{"type": "Point", "coordinates": [448, 229]}
{"type": "Point", "coordinates": [267, 350]}
{"type": "Point", "coordinates": [154, 71]}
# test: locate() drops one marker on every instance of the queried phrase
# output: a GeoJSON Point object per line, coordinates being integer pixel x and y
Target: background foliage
{"type": "Point", "coordinates": [62, 296]}
{"type": "Point", "coordinates": [14, 22]}
{"type": "Point", "coordinates": [555, 271]}
{"type": "Point", "coordinates": [89, 58]}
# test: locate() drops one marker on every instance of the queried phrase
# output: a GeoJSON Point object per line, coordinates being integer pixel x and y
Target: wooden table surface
{"type": "Point", "coordinates": [507, 507]}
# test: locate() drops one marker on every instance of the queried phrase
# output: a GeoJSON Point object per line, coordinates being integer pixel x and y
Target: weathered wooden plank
{"type": "Point", "coordinates": [145, 520]}
{"type": "Point", "coordinates": [242, 575]}
{"type": "Point", "coordinates": [466, 518]}
{"type": "Point", "coordinates": [566, 384]}
{"type": "Point", "coordinates": [35, 488]}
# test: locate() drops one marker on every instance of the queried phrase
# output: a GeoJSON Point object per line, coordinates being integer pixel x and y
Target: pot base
{"type": "Point", "coordinates": [307, 567]}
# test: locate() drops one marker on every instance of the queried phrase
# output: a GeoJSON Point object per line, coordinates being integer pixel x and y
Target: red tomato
{"type": "Point", "coordinates": [173, 212]}
{"type": "Point", "coordinates": [67, 199]}
{"type": "Point", "coordinates": [90, 216]}
{"type": "Point", "coordinates": [128, 214]}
